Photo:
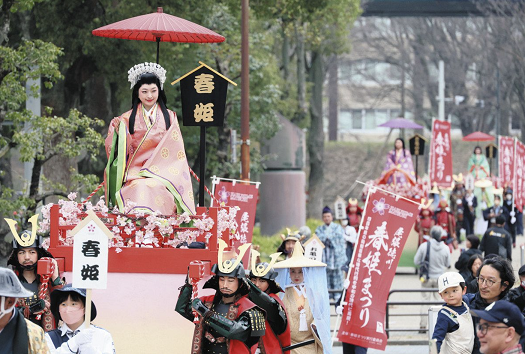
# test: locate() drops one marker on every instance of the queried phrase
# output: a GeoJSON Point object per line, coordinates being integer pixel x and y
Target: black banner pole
{"type": "Point", "coordinates": [202, 158]}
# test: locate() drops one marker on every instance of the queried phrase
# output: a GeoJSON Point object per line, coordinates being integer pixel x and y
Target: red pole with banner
{"type": "Point", "coordinates": [506, 160]}
{"type": "Point", "coordinates": [244, 196]}
{"type": "Point", "coordinates": [520, 179]}
{"type": "Point", "coordinates": [440, 155]}
{"type": "Point", "coordinates": [386, 224]}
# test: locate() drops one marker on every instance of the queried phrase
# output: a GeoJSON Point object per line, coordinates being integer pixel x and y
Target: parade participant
{"type": "Point", "coordinates": [263, 293]}
{"type": "Point", "coordinates": [470, 203]}
{"type": "Point", "coordinates": [454, 332]}
{"type": "Point", "coordinates": [146, 158]}
{"type": "Point", "coordinates": [350, 237]}
{"type": "Point", "coordinates": [500, 327]}
{"type": "Point", "coordinates": [511, 213]}
{"type": "Point", "coordinates": [439, 260]}
{"type": "Point", "coordinates": [457, 207]}
{"type": "Point", "coordinates": [69, 305]}
{"type": "Point", "coordinates": [478, 165]}
{"type": "Point", "coordinates": [517, 295]}
{"type": "Point", "coordinates": [228, 321]}
{"type": "Point", "coordinates": [495, 278]}
{"type": "Point", "coordinates": [24, 259]}
{"type": "Point", "coordinates": [334, 254]}
{"type": "Point", "coordinates": [289, 241]}
{"type": "Point", "coordinates": [399, 168]}
{"type": "Point", "coordinates": [491, 213]}
{"type": "Point", "coordinates": [425, 221]}
{"type": "Point", "coordinates": [497, 240]}
{"type": "Point", "coordinates": [354, 213]}
{"type": "Point", "coordinates": [472, 244]}
{"type": "Point", "coordinates": [17, 334]}
{"type": "Point", "coordinates": [435, 196]}
{"type": "Point", "coordinates": [445, 219]}
{"type": "Point", "coordinates": [306, 302]}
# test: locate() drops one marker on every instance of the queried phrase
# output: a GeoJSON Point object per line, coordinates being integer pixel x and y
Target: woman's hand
{"type": "Point", "coordinates": [116, 124]}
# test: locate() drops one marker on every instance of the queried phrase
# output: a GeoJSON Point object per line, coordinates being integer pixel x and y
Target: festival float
{"type": "Point", "coordinates": [149, 254]}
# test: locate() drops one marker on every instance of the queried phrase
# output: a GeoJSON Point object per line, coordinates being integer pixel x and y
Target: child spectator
{"type": "Point", "coordinates": [454, 330]}
{"type": "Point", "coordinates": [69, 304]}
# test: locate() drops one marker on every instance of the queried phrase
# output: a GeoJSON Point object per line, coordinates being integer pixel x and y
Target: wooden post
{"type": "Point", "coordinates": [245, 92]}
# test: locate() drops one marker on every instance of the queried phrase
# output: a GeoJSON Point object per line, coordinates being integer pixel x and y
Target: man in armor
{"type": "Point", "coordinates": [263, 293]}
{"type": "Point", "coordinates": [229, 323]}
{"type": "Point", "coordinates": [27, 252]}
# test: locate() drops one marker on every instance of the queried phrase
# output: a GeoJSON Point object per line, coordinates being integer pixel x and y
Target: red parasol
{"type": "Point", "coordinates": [478, 136]}
{"type": "Point", "coordinates": [159, 27]}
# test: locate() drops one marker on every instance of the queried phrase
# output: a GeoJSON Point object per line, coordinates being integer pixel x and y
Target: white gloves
{"type": "Point", "coordinates": [88, 349]}
{"type": "Point", "coordinates": [82, 339]}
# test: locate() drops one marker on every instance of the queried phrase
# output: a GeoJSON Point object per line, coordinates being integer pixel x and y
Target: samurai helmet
{"type": "Point", "coordinates": [26, 238]}
{"type": "Point", "coordinates": [263, 270]}
{"type": "Point", "coordinates": [231, 267]}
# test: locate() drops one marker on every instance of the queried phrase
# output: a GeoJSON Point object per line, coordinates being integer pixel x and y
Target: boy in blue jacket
{"type": "Point", "coordinates": [454, 331]}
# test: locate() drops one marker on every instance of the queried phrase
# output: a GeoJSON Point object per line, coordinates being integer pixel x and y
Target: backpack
{"type": "Point", "coordinates": [424, 266]}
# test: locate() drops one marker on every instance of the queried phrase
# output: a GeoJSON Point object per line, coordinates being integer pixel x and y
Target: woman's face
{"type": "Point", "coordinates": [477, 151]}
{"type": "Point", "coordinates": [475, 266]}
{"type": "Point", "coordinates": [468, 244]}
{"type": "Point", "coordinates": [398, 144]}
{"type": "Point", "coordinates": [297, 275]}
{"type": "Point", "coordinates": [148, 95]}
{"type": "Point", "coordinates": [490, 285]}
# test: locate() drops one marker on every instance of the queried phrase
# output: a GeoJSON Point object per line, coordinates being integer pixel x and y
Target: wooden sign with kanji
{"type": "Point", "coordinates": [203, 95]}
{"type": "Point", "coordinates": [313, 248]}
{"type": "Point", "coordinates": [90, 253]}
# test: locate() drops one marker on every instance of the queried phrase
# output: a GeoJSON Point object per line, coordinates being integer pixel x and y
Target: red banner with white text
{"type": "Point", "coordinates": [520, 178]}
{"type": "Point", "coordinates": [506, 148]}
{"type": "Point", "coordinates": [387, 221]}
{"type": "Point", "coordinates": [440, 155]}
{"type": "Point", "coordinates": [245, 197]}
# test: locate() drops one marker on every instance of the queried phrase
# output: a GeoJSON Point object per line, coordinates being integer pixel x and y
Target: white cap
{"type": "Point", "coordinates": [448, 280]}
{"type": "Point", "coordinates": [10, 286]}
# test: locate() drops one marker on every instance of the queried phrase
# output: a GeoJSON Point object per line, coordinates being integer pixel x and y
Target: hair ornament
{"type": "Point", "coordinates": [136, 72]}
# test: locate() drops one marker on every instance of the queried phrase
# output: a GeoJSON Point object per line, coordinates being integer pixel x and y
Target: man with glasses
{"type": "Point", "coordinates": [499, 329]}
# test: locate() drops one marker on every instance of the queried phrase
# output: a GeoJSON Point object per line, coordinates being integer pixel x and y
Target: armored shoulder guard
{"type": "Point", "coordinates": [257, 322]}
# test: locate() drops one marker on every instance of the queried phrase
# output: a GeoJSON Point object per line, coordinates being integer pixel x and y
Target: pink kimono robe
{"type": "Point", "coordinates": [155, 174]}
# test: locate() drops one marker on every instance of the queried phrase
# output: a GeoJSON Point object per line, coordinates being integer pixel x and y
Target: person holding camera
{"type": "Point", "coordinates": [37, 270]}
{"type": "Point", "coordinates": [435, 255]}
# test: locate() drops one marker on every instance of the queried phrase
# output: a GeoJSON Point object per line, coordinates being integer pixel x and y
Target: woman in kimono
{"type": "Point", "coordinates": [478, 164]}
{"type": "Point", "coordinates": [147, 170]}
{"type": "Point", "coordinates": [399, 168]}
{"type": "Point", "coordinates": [306, 301]}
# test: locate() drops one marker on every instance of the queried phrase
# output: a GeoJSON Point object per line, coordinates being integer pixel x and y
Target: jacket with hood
{"type": "Point", "coordinates": [439, 258]}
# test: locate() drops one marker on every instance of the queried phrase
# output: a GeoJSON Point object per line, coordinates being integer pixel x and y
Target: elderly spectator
{"type": "Point", "coordinates": [500, 328]}
{"type": "Point", "coordinates": [439, 261]}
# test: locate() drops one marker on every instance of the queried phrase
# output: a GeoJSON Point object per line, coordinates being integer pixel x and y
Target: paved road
{"type": "Point", "coordinates": [393, 349]}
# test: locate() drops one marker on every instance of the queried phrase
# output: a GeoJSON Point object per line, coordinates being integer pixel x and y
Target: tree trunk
{"type": "Point", "coordinates": [5, 19]}
{"type": "Point", "coordinates": [285, 54]}
{"type": "Point", "coordinates": [316, 138]}
{"type": "Point", "coordinates": [333, 95]}
{"type": "Point", "coordinates": [301, 77]}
